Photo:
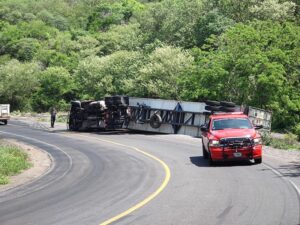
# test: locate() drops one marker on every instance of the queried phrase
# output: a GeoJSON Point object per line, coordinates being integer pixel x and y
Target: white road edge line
{"type": "Point", "coordinates": [52, 159]}
{"type": "Point", "coordinates": [283, 177]}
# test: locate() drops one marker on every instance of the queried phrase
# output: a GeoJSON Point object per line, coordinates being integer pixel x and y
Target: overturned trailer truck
{"type": "Point", "coordinates": [152, 115]}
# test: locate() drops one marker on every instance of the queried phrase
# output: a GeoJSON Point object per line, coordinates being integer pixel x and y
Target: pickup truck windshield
{"type": "Point", "coordinates": [232, 123]}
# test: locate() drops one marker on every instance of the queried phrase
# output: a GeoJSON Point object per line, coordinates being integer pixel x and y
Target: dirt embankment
{"type": "Point", "coordinates": [40, 160]}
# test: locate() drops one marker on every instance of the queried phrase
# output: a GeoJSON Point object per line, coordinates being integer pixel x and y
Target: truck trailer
{"type": "Point", "coordinates": [153, 115]}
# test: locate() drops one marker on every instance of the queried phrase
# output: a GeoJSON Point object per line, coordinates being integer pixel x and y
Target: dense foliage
{"type": "Point", "coordinates": [247, 51]}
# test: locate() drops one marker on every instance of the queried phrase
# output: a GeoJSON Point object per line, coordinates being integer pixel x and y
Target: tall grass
{"type": "Point", "coordinates": [12, 161]}
{"type": "Point", "coordinates": [288, 142]}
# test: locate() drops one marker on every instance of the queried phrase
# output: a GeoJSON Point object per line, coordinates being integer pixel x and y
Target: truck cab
{"type": "Point", "coordinates": [231, 137]}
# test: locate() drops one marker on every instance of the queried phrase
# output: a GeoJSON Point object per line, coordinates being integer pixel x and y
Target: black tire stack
{"type": "Point", "coordinates": [222, 106]}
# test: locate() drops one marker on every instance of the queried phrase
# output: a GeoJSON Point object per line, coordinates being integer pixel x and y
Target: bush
{"type": "Point", "coordinates": [297, 131]}
{"type": "Point", "coordinates": [266, 138]}
{"type": "Point", "coordinates": [290, 139]}
{"type": "Point", "coordinates": [289, 142]}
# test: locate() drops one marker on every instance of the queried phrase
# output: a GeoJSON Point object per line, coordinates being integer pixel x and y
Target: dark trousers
{"type": "Point", "coordinates": [52, 120]}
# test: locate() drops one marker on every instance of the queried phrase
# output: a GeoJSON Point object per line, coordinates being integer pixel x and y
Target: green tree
{"type": "Point", "coordinates": [57, 21]}
{"type": "Point", "coordinates": [87, 46]}
{"type": "Point", "coordinates": [56, 88]}
{"type": "Point", "coordinates": [17, 83]}
{"type": "Point", "coordinates": [25, 49]}
{"type": "Point", "coordinates": [255, 64]}
{"type": "Point", "coordinates": [171, 21]}
{"type": "Point", "coordinates": [211, 23]}
{"type": "Point", "coordinates": [273, 10]}
{"type": "Point", "coordinates": [160, 74]}
{"type": "Point", "coordinates": [112, 74]}
{"type": "Point", "coordinates": [237, 10]}
{"type": "Point", "coordinates": [107, 14]}
{"type": "Point", "coordinates": [121, 37]}
{"type": "Point", "coordinates": [59, 51]}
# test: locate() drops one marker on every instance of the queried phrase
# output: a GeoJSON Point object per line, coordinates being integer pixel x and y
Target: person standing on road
{"type": "Point", "coordinates": [53, 113]}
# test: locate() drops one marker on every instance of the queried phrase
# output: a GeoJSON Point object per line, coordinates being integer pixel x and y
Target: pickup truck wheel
{"type": "Point", "coordinates": [258, 161]}
{"type": "Point", "coordinates": [210, 161]}
{"type": "Point", "coordinates": [5, 122]}
{"type": "Point", "coordinates": [205, 154]}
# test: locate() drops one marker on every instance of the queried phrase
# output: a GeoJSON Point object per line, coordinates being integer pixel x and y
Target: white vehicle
{"type": "Point", "coordinates": [4, 113]}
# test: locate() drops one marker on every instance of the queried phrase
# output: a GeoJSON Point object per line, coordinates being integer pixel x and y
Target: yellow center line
{"type": "Point", "coordinates": [151, 196]}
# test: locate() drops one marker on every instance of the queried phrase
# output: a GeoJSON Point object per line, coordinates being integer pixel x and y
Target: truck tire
{"type": "Point", "coordinates": [155, 121]}
{"type": "Point", "coordinates": [74, 124]}
{"type": "Point", "coordinates": [212, 103]}
{"type": "Point", "coordinates": [227, 104]}
{"type": "Point", "coordinates": [71, 124]}
{"type": "Point", "coordinates": [5, 122]}
{"type": "Point", "coordinates": [210, 161]}
{"type": "Point", "coordinates": [205, 154]}
{"type": "Point", "coordinates": [258, 161]}
{"type": "Point", "coordinates": [212, 108]}
{"type": "Point", "coordinates": [227, 109]}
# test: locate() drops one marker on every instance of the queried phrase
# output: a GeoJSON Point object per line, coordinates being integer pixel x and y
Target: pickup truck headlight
{"type": "Point", "coordinates": [257, 141]}
{"type": "Point", "coordinates": [214, 143]}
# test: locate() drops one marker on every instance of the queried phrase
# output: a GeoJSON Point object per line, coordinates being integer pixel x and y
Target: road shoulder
{"type": "Point", "coordinates": [41, 163]}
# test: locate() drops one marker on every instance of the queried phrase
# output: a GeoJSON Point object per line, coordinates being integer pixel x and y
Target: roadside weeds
{"type": "Point", "coordinates": [39, 160]}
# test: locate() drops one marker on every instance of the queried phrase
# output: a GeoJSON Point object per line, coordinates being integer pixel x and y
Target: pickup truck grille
{"type": "Point", "coordinates": [236, 142]}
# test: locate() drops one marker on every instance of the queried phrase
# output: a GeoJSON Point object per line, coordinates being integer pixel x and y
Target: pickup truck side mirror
{"type": "Point", "coordinates": [203, 128]}
{"type": "Point", "coordinates": [257, 127]}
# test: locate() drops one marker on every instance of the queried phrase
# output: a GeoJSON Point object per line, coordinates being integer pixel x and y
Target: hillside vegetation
{"type": "Point", "coordinates": [246, 51]}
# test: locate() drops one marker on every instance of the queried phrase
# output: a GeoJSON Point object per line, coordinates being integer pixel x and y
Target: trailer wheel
{"type": "Point", "coordinates": [155, 121]}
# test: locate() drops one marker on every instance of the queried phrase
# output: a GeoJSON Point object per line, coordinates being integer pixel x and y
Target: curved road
{"type": "Point", "coordinates": [97, 176]}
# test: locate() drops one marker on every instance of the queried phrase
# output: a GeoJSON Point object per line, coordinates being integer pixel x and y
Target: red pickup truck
{"type": "Point", "coordinates": [231, 137]}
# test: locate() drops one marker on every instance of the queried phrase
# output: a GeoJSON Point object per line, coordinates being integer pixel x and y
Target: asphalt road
{"type": "Point", "coordinates": [97, 176]}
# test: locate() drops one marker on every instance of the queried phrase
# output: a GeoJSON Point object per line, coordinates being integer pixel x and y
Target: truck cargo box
{"type": "Point", "coordinates": [4, 113]}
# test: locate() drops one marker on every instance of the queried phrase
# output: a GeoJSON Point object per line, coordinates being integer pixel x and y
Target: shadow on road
{"type": "Point", "coordinates": [107, 132]}
{"type": "Point", "coordinates": [201, 162]}
{"type": "Point", "coordinates": [290, 170]}
{"type": "Point", "coordinates": [123, 132]}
